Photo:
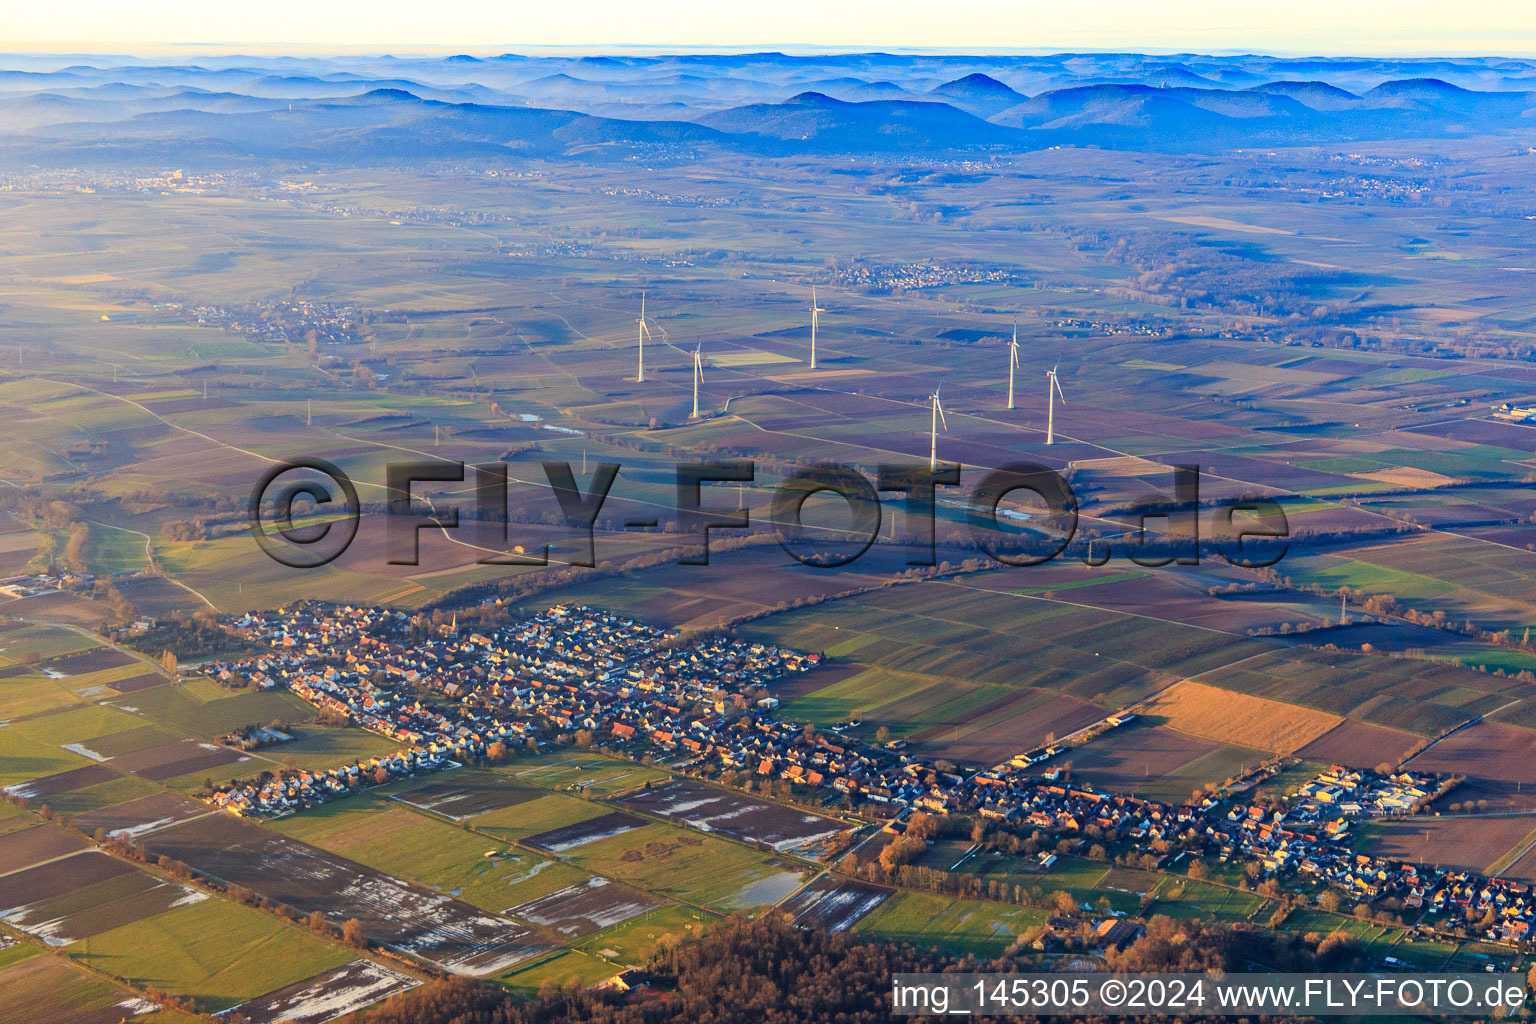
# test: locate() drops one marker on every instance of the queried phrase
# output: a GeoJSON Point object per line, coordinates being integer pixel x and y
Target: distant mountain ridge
{"type": "Point", "coordinates": [60, 110]}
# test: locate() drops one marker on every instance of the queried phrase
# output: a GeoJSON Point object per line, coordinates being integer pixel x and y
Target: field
{"type": "Point", "coordinates": [1359, 745]}
{"type": "Point", "coordinates": [466, 794]}
{"type": "Point", "coordinates": [955, 926]}
{"type": "Point", "coordinates": [637, 939]}
{"type": "Point", "coordinates": [1186, 899]}
{"type": "Point", "coordinates": [1470, 844]}
{"type": "Point", "coordinates": [408, 917]}
{"type": "Point", "coordinates": [28, 846]}
{"type": "Point", "coordinates": [1495, 758]}
{"type": "Point", "coordinates": [1155, 761]}
{"type": "Point", "coordinates": [517, 822]}
{"type": "Point", "coordinates": [696, 869]}
{"type": "Point", "coordinates": [382, 834]}
{"type": "Point", "coordinates": [709, 809]}
{"type": "Point", "coordinates": [221, 953]}
{"type": "Point", "coordinates": [89, 907]}
{"type": "Point", "coordinates": [595, 775]}
{"type": "Point", "coordinates": [330, 994]}
{"type": "Point", "coordinates": [565, 967]}
{"type": "Point", "coordinates": [584, 908]}
{"type": "Point", "coordinates": [48, 990]}
{"type": "Point", "coordinates": [135, 816]}
{"type": "Point", "coordinates": [1227, 717]}
{"type": "Point", "coordinates": [568, 837]}
{"type": "Point", "coordinates": [836, 905]}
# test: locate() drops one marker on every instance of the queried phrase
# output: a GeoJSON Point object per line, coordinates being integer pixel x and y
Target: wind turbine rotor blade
{"type": "Point", "coordinates": [937, 405]}
{"type": "Point", "coordinates": [1056, 382]}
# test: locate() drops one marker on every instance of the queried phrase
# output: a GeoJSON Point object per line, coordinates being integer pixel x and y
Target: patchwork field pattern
{"type": "Point", "coordinates": [121, 894]}
{"type": "Point", "coordinates": [733, 814]}
{"type": "Point", "coordinates": [405, 916]}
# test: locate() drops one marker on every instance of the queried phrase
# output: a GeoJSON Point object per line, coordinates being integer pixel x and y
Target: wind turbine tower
{"type": "Point", "coordinates": [933, 434]}
{"type": "Point", "coordinates": [1053, 388]}
{"type": "Point", "coordinates": [815, 309]}
{"type": "Point", "coordinates": [1013, 360]}
{"type": "Point", "coordinates": [644, 332]}
{"type": "Point", "coordinates": [698, 375]}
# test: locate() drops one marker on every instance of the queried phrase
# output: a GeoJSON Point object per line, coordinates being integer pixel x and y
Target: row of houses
{"type": "Point", "coordinates": [1311, 838]}
{"type": "Point", "coordinates": [448, 693]}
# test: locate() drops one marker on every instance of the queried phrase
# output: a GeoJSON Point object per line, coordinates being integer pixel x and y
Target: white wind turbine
{"type": "Point", "coordinates": [815, 309]}
{"type": "Point", "coordinates": [1053, 388]}
{"type": "Point", "coordinates": [933, 435]}
{"type": "Point", "coordinates": [698, 375]}
{"type": "Point", "coordinates": [644, 332]}
{"type": "Point", "coordinates": [1013, 360]}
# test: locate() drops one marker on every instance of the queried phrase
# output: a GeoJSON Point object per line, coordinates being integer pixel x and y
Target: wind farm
{"type": "Point", "coordinates": [738, 372]}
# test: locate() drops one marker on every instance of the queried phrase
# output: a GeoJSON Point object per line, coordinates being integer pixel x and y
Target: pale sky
{"type": "Point", "coordinates": [486, 27]}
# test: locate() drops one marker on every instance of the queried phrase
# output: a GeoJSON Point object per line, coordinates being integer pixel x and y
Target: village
{"type": "Point", "coordinates": [573, 674]}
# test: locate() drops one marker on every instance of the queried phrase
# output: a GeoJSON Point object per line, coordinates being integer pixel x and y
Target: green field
{"type": "Point", "coordinates": [54, 988]}
{"type": "Point", "coordinates": [563, 968]}
{"type": "Point", "coordinates": [319, 748]}
{"type": "Point", "coordinates": [688, 867]}
{"type": "Point", "coordinates": [954, 926]}
{"type": "Point", "coordinates": [213, 952]}
{"type": "Point", "coordinates": [391, 837]}
{"type": "Point", "coordinates": [597, 775]}
{"type": "Point", "coordinates": [634, 941]}
{"type": "Point", "coordinates": [531, 817]}
{"type": "Point", "coordinates": [1187, 899]}
{"type": "Point", "coordinates": [203, 708]}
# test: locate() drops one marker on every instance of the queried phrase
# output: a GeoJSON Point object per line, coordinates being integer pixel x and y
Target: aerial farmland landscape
{"type": "Point", "coordinates": [547, 535]}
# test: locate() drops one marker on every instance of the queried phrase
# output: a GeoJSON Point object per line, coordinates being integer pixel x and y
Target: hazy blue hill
{"type": "Point", "coordinates": [1232, 77]}
{"type": "Point", "coordinates": [42, 79]}
{"type": "Point", "coordinates": [1317, 95]}
{"type": "Point", "coordinates": [1177, 75]}
{"type": "Point", "coordinates": [1115, 105]}
{"type": "Point", "coordinates": [1420, 88]}
{"type": "Point", "coordinates": [978, 94]}
{"type": "Point", "coordinates": [385, 124]}
{"type": "Point", "coordinates": [857, 89]}
{"type": "Point", "coordinates": [1441, 102]}
{"type": "Point", "coordinates": [879, 125]}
